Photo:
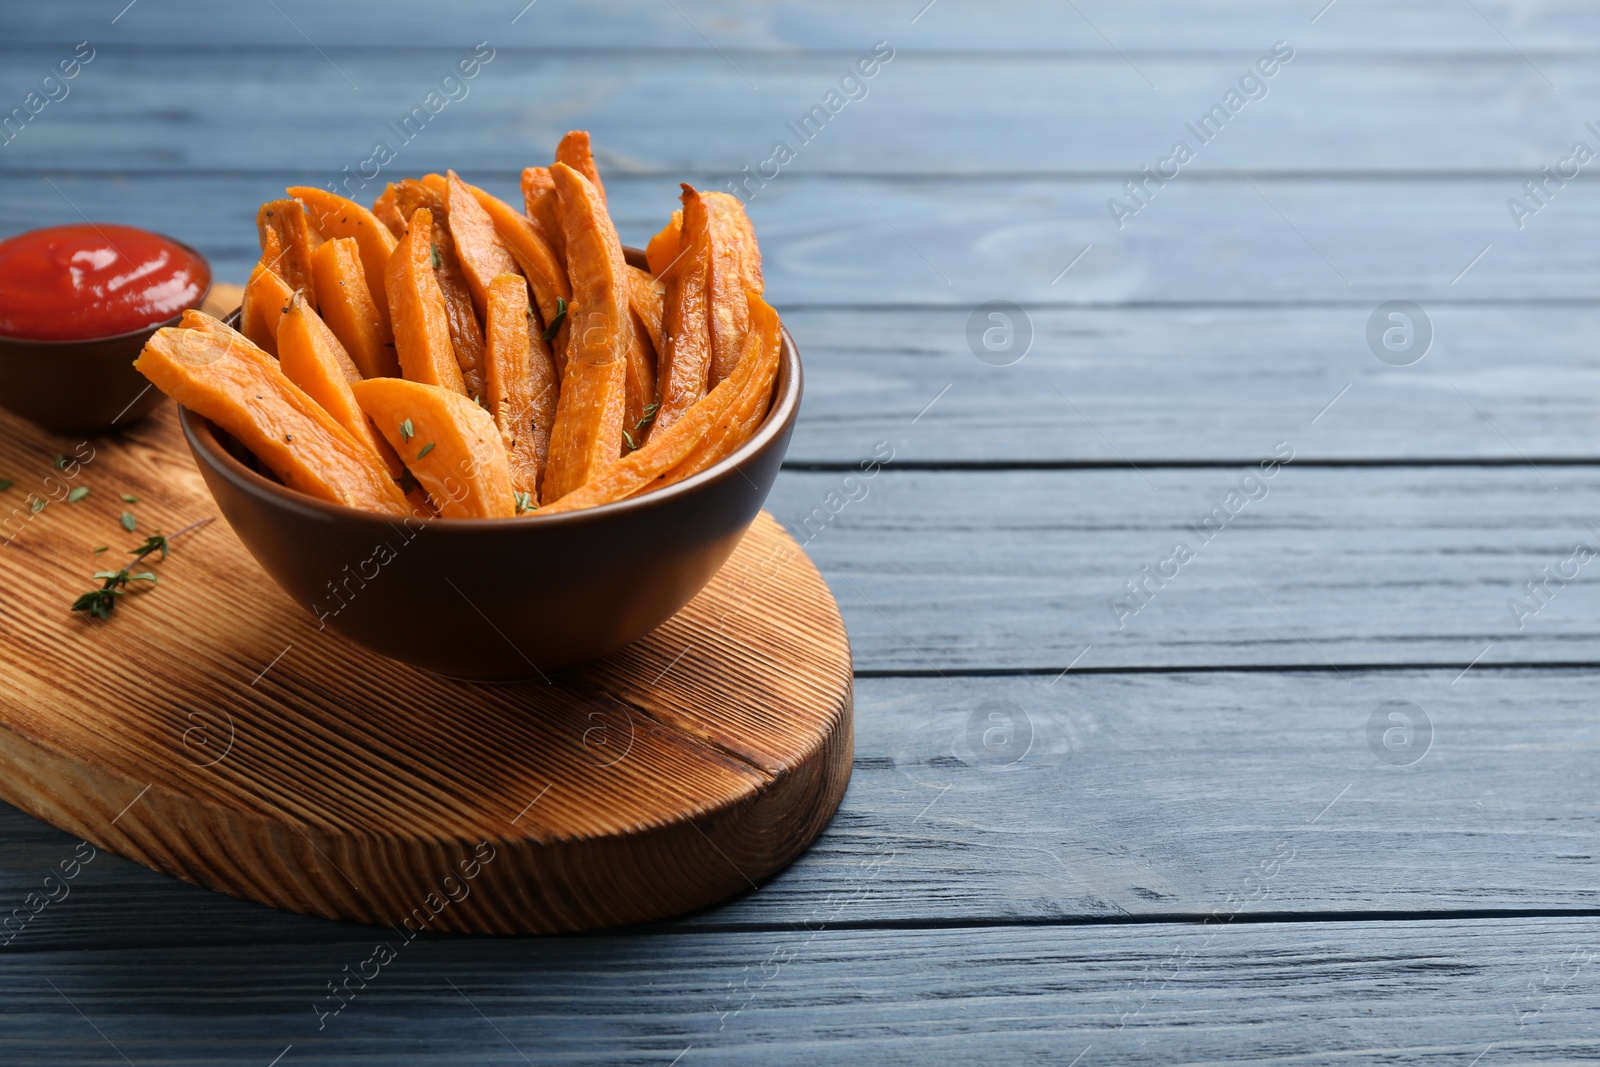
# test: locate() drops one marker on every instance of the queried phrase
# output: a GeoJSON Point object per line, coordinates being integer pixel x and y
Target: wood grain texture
{"type": "Point", "coordinates": [1323, 993]}
{"type": "Point", "coordinates": [1126, 796]}
{"type": "Point", "coordinates": [926, 112]}
{"type": "Point", "coordinates": [1011, 570]}
{"type": "Point", "coordinates": [977, 910]}
{"type": "Point", "coordinates": [211, 731]}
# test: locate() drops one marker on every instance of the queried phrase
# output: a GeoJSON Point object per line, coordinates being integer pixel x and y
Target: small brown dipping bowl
{"type": "Point", "coordinates": [71, 387]}
{"type": "Point", "coordinates": [501, 600]}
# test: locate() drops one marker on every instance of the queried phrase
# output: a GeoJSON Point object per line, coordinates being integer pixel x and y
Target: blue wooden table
{"type": "Point", "coordinates": [1225, 632]}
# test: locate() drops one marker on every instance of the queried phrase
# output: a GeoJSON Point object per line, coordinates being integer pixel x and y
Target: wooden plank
{"type": "Point", "coordinates": [939, 113]}
{"type": "Point", "coordinates": [1315, 992]}
{"type": "Point", "coordinates": [701, 25]}
{"type": "Point", "coordinates": [1104, 797]}
{"type": "Point", "coordinates": [1185, 384]}
{"type": "Point", "coordinates": [825, 245]}
{"type": "Point", "coordinates": [1020, 570]}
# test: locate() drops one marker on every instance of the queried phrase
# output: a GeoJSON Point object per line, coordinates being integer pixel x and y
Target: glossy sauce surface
{"type": "Point", "coordinates": [76, 283]}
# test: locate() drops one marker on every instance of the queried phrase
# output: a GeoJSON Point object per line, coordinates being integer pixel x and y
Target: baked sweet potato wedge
{"type": "Point", "coordinates": [312, 358]}
{"type": "Point", "coordinates": [749, 406]}
{"type": "Point", "coordinates": [266, 298]}
{"type": "Point", "coordinates": [639, 408]}
{"type": "Point", "coordinates": [287, 236]}
{"type": "Point", "coordinates": [657, 463]}
{"type": "Point", "coordinates": [546, 275]}
{"type": "Point", "coordinates": [416, 304]}
{"type": "Point", "coordinates": [587, 436]}
{"type": "Point", "coordinates": [386, 209]}
{"type": "Point", "coordinates": [647, 298]}
{"type": "Point", "coordinates": [662, 251]}
{"type": "Point", "coordinates": [574, 150]}
{"type": "Point", "coordinates": [466, 332]}
{"type": "Point", "coordinates": [212, 370]}
{"type": "Point", "coordinates": [521, 379]}
{"type": "Point", "coordinates": [685, 368]}
{"type": "Point", "coordinates": [735, 271]}
{"type": "Point", "coordinates": [338, 217]}
{"type": "Point", "coordinates": [483, 254]}
{"type": "Point", "coordinates": [450, 443]}
{"type": "Point", "coordinates": [539, 201]}
{"type": "Point", "coordinates": [350, 309]}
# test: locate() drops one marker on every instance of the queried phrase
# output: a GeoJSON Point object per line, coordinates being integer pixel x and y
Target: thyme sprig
{"type": "Point", "coordinates": [644, 420]}
{"type": "Point", "coordinates": [551, 330]}
{"type": "Point", "coordinates": [100, 602]}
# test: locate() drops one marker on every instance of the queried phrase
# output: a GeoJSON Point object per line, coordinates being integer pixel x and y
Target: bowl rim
{"type": "Point", "coordinates": [129, 335]}
{"type": "Point", "coordinates": [200, 433]}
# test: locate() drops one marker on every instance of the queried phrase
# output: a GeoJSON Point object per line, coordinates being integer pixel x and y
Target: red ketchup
{"type": "Point", "coordinates": [79, 283]}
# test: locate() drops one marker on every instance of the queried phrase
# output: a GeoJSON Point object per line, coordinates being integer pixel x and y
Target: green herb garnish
{"type": "Point", "coordinates": [100, 602]}
{"type": "Point", "coordinates": [129, 523]}
{"type": "Point", "coordinates": [425, 450]}
{"type": "Point", "coordinates": [38, 504]}
{"type": "Point", "coordinates": [407, 431]}
{"type": "Point", "coordinates": [555, 323]}
{"type": "Point", "coordinates": [524, 501]}
{"type": "Point", "coordinates": [62, 461]}
{"type": "Point", "coordinates": [644, 420]}
{"type": "Point", "coordinates": [129, 498]}
{"type": "Point", "coordinates": [101, 549]}
{"type": "Point", "coordinates": [153, 543]}
{"type": "Point", "coordinates": [77, 494]}
{"type": "Point", "coordinates": [6, 483]}
{"type": "Point", "coordinates": [433, 253]}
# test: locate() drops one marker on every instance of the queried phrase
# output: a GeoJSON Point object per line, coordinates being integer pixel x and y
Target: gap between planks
{"type": "Point", "coordinates": [359, 933]}
{"type": "Point", "coordinates": [1531, 666]}
{"type": "Point", "coordinates": [826, 466]}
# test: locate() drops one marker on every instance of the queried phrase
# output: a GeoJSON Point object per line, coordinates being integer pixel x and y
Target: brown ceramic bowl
{"type": "Point", "coordinates": [501, 600]}
{"type": "Point", "coordinates": [89, 386]}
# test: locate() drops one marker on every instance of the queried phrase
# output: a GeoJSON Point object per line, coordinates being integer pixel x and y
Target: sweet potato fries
{"type": "Point", "coordinates": [444, 353]}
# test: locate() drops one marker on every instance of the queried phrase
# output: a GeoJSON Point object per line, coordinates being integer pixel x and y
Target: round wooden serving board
{"type": "Point", "coordinates": [211, 731]}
